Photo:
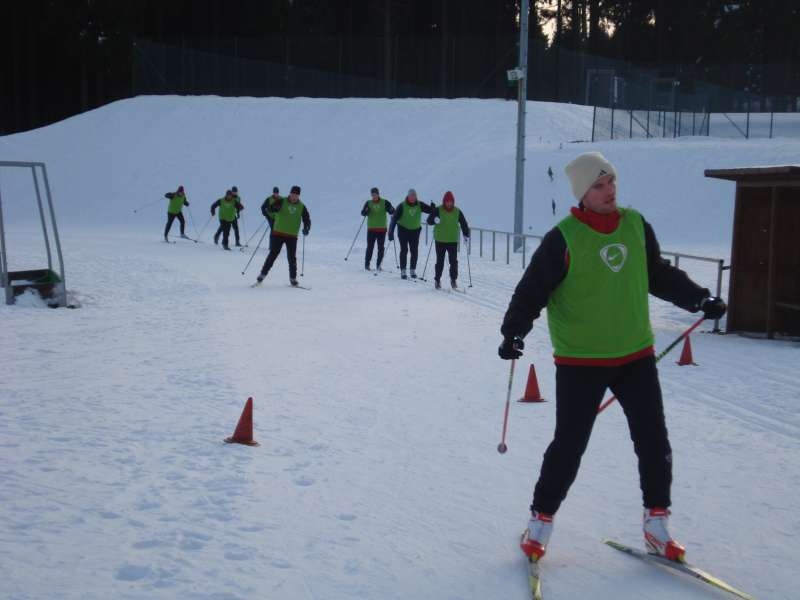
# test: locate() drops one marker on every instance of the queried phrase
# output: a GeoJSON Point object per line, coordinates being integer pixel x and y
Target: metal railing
{"type": "Point", "coordinates": [48, 220]}
{"type": "Point", "coordinates": [508, 236]}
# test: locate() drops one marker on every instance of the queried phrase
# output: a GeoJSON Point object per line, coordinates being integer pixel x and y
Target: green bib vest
{"type": "Point", "coordinates": [446, 230]}
{"type": "Point", "coordinates": [377, 214]}
{"type": "Point", "coordinates": [289, 218]}
{"type": "Point", "coordinates": [601, 309]}
{"type": "Point", "coordinates": [227, 210]}
{"type": "Point", "coordinates": [411, 216]}
{"type": "Point", "coordinates": [176, 204]}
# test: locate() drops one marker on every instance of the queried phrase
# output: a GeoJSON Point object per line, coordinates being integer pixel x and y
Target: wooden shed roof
{"type": "Point", "coordinates": [762, 174]}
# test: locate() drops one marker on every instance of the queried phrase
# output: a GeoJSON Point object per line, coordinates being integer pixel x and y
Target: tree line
{"type": "Point", "coordinates": [62, 57]}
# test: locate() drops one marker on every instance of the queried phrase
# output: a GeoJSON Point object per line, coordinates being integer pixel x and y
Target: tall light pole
{"type": "Point", "coordinates": [520, 74]}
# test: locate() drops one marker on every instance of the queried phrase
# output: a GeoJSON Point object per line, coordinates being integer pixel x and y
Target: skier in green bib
{"type": "Point", "coordinates": [235, 223]}
{"type": "Point", "coordinates": [288, 214]}
{"type": "Point", "coordinates": [228, 206]}
{"type": "Point", "coordinates": [177, 200]}
{"type": "Point", "coordinates": [407, 218]}
{"type": "Point", "coordinates": [376, 210]}
{"type": "Point", "coordinates": [593, 273]}
{"type": "Point", "coordinates": [447, 219]}
{"type": "Point", "coordinates": [265, 207]}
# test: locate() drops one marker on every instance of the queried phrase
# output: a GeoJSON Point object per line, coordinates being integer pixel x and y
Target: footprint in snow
{"type": "Point", "coordinates": [132, 572]}
{"type": "Point", "coordinates": [238, 554]}
{"type": "Point", "coordinates": [304, 481]}
{"type": "Point", "coordinates": [298, 466]}
{"type": "Point", "coordinates": [281, 564]}
{"type": "Point", "coordinates": [145, 544]}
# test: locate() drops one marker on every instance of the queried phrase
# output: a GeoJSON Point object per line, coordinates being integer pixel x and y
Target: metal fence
{"type": "Point", "coordinates": [617, 123]}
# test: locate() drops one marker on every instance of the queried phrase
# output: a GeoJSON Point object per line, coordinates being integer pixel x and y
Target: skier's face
{"type": "Point", "coordinates": [601, 197]}
{"type": "Point", "coordinates": [412, 198]}
{"type": "Point", "coordinates": [375, 196]}
{"type": "Point", "coordinates": [293, 197]}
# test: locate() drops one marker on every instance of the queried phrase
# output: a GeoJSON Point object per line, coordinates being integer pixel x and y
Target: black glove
{"type": "Point", "coordinates": [713, 308]}
{"type": "Point", "coordinates": [391, 236]}
{"type": "Point", "coordinates": [305, 230]}
{"type": "Point", "coordinates": [511, 348]}
{"type": "Point", "coordinates": [212, 212]}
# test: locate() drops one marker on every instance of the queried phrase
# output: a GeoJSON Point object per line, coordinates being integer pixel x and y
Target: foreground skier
{"type": "Point", "coordinates": [288, 215]}
{"type": "Point", "coordinates": [593, 272]}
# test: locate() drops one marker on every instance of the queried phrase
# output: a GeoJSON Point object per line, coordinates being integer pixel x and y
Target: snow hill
{"type": "Point", "coordinates": [378, 402]}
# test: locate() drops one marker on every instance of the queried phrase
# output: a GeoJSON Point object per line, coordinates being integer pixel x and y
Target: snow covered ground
{"type": "Point", "coordinates": [378, 402]}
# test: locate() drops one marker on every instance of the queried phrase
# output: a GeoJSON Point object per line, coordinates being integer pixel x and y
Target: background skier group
{"type": "Point", "coordinates": [285, 216]}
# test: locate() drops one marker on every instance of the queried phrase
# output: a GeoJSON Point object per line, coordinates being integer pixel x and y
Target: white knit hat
{"type": "Point", "coordinates": [585, 169]}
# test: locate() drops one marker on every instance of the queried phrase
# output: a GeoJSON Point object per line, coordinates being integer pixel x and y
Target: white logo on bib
{"type": "Point", "coordinates": [614, 256]}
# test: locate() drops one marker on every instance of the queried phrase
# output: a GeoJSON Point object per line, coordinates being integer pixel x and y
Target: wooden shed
{"type": "Point", "coordinates": [764, 292]}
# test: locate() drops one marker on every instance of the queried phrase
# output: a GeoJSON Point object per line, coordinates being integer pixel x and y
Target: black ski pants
{"type": "Point", "coordinates": [451, 249]}
{"type": "Point", "coordinates": [579, 392]}
{"type": "Point", "coordinates": [225, 229]}
{"type": "Point", "coordinates": [221, 230]}
{"type": "Point", "coordinates": [372, 238]}
{"type": "Point", "coordinates": [409, 240]}
{"type": "Point", "coordinates": [276, 242]}
{"type": "Point", "coordinates": [170, 219]}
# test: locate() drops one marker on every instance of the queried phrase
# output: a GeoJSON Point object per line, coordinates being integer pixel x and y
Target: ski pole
{"type": "Point", "coordinates": [191, 218]}
{"type": "Point", "coordinates": [396, 262]}
{"type": "Point", "coordinates": [501, 447]}
{"type": "Point", "coordinates": [256, 250]}
{"type": "Point", "coordinates": [247, 243]}
{"type": "Point", "coordinates": [430, 247]}
{"type": "Point", "coordinates": [355, 238]}
{"type": "Point", "coordinates": [303, 258]}
{"type": "Point", "coordinates": [663, 353]}
{"type": "Point", "coordinates": [146, 204]}
{"type": "Point", "coordinates": [204, 226]}
{"type": "Point", "coordinates": [469, 269]}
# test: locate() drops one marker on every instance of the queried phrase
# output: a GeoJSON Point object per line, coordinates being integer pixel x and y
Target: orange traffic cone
{"type": "Point", "coordinates": [686, 353]}
{"type": "Point", "coordinates": [244, 429]}
{"type": "Point", "coordinates": [532, 393]}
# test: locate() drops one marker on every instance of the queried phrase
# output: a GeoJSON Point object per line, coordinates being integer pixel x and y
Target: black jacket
{"type": "Point", "coordinates": [462, 220]}
{"type": "Point", "coordinates": [274, 205]}
{"type": "Point", "coordinates": [398, 214]}
{"type": "Point", "coordinates": [548, 267]}
{"type": "Point", "coordinates": [387, 205]}
{"type": "Point", "coordinates": [239, 206]}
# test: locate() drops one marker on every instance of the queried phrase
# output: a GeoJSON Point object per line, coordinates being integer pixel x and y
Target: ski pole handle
{"type": "Point", "coordinates": [661, 355]}
{"type": "Point", "coordinates": [501, 447]}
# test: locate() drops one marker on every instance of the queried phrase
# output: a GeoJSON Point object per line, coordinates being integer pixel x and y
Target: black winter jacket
{"type": "Point", "coordinates": [548, 267]}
